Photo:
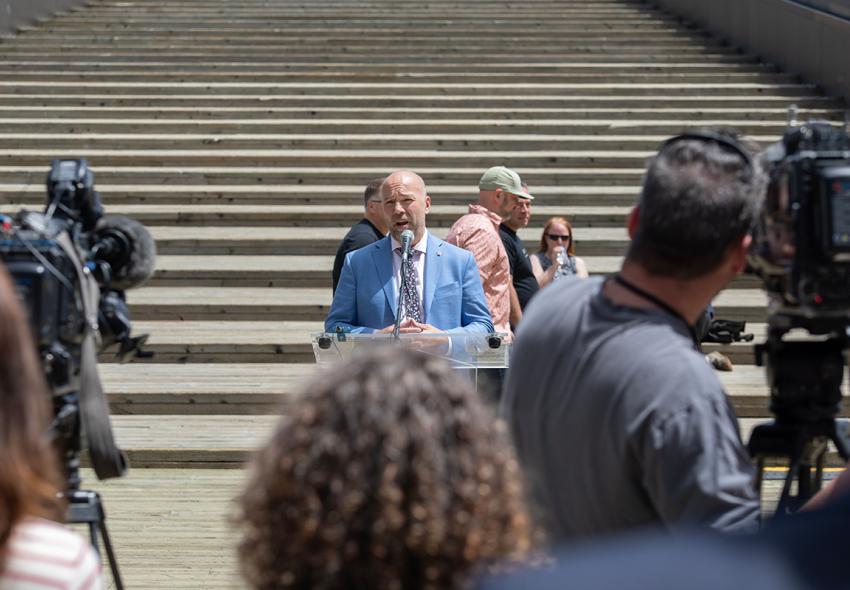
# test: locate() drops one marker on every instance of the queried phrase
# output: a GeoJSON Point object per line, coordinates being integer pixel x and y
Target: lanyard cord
{"type": "Point", "coordinates": [662, 304]}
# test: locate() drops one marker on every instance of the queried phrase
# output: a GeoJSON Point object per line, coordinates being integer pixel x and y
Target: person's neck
{"type": "Point", "coordinates": [688, 297]}
{"type": "Point", "coordinates": [379, 224]}
{"type": "Point", "coordinates": [490, 203]}
{"type": "Point", "coordinates": [510, 226]}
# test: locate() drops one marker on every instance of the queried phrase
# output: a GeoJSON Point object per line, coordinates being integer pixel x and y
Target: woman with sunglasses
{"type": "Point", "coordinates": [557, 238]}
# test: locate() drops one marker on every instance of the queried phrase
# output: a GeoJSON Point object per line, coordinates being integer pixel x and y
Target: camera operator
{"type": "Point", "coordinates": [36, 550]}
{"type": "Point", "coordinates": [617, 417]}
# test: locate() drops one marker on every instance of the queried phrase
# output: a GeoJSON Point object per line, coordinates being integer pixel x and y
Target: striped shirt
{"type": "Point", "coordinates": [43, 555]}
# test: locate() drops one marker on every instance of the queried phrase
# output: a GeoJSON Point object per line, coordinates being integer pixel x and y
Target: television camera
{"type": "Point", "coordinates": [71, 265]}
{"type": "Point", "coordinates": [801, 251]}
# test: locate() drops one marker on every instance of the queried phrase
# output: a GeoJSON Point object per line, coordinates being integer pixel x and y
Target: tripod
{"type": "Point", "coordinates": [84, 506]}
{"type": "Point", "coordinates": [805, 391]}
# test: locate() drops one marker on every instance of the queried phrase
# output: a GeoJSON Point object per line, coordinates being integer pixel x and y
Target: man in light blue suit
{"type": "Point", "coordinates": [447, 297]}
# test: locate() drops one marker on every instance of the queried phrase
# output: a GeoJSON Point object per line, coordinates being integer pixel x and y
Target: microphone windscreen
{"type": "Point", "coordinates": [406, 238]}
{"type": "Point", "coordinates": [141, 260]}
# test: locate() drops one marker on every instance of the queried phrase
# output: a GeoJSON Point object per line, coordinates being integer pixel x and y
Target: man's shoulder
{"type": "Point", "coordinates": [366, 252]}
{"type": "Point", "coordinates": [445, 248]}
{"type": "Point", "coordinates": [361, 232]}
{"type": "Point", "coordinates": [513, 245]}
{"type": "Point", "coordinates": [473, 222]}
{"type": "Point", "coordinates": [564, 294]}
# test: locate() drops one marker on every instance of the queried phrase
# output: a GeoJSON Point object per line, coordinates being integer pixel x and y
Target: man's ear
{"type": "Point", "coordinates": [427, 203]}
{"type": "Point", "coordinates": [632, 221]}
{"type": "Point", "coordinates": [738, 254]}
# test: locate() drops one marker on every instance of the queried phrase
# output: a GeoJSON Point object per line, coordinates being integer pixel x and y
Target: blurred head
{"type": "Point", "coordinates": [699, 201]}
{"type": "Point", "coordinates": [520, 215]}
{"type": "Point", "coordinates": [557, 232]}
{"type": "Point", "coordinates": [372, 204]}
{"type": "Point", "coordinates": [499, 190]}
{"type": "Point", "coordinates": [405, 204]}
{"type": "Point", "coordinates": [389, 473]}
{"type": "Point", "coordinates": [29, 475]}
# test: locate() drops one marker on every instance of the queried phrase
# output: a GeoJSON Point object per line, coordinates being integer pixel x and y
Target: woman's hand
{"type": "Point", "coordinates": [552, 252]}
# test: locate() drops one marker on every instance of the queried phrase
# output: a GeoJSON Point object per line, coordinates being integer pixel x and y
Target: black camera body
{"type": "Point", "coordinates": [55, 318]}
{"type": "Point", "coordinates": [49, 281]}
{"type": "Point", "coordinates": [801, 246]}
{"type": "Point", "coordinates": [801, 251]}
{"type": "Point", "coordinates": [71, 265]}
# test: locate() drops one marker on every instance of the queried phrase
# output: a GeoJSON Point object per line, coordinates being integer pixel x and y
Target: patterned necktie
{"type": "Point", "coordinates": [410, 295]}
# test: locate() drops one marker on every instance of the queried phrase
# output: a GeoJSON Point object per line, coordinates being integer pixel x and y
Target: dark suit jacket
{"type": "Point", "coordinates": [361, 234]}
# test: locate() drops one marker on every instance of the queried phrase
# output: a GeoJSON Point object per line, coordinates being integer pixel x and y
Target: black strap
{"type": "Point", "coordinates": [658, 302]}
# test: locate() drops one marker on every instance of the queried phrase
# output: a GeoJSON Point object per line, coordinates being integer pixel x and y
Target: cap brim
{"type": "Point", "coordinates": [523, 195]}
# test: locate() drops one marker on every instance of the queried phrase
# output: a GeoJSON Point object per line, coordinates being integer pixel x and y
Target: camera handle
{"type": "Point", "coordinates": [805, 388]}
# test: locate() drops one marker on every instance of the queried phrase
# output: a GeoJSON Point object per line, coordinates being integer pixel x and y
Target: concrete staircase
{"type": "Point", "coordinates": [242, 134]}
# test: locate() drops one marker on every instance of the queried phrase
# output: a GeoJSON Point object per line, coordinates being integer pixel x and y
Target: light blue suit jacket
{"type": "Point", "coordinates": [366, 300]}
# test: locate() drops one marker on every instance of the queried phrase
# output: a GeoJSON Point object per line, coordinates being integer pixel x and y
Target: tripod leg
{"type": "Point", "coordinates": [786, 500]}
{"type": "Point", "coordinates": [805, 485]}
{"type": "Point", "coordinates": [93, 537]}
{"type": "Point", "coordinates": [110, 554]}
{"type": "Point", "coordinates": [759, 475]}
{"type": "Point", "coordinates": [818, 474]}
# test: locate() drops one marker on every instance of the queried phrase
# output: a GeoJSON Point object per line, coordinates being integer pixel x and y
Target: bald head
{"type": "Point", "coordinates": [405, 203]}
{"type": "Point", "coordinates": [403, 178]}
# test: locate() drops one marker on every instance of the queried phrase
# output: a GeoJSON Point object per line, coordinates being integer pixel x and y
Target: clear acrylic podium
{"type": "Point", "coordinates": [465, 352]}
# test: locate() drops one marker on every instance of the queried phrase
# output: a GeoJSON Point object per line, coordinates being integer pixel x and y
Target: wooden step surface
{"type": "Point", "coordinates": [198, 440]}
{"type": "Point", "coordinates": [256, 388]}
{"type": "Point", "coordinates": [310, 271]}
{"type": "Point", "coordinates": [328, 215]}
{"type": "Point", "coordinates": [232, 340]}
{"type": "Point", "coordinates": [306, 271]}
{"type": "Point", "coordinates": [225, 340]}
{"type": "Point", "coordinates": [170, 527]}
{"type": "Point", "coordinates": [179, 520]}
{"type": "Point", "coordinates": [603, 241]}
{"type": "Point", "coordinates": [521, 113]}
{"type": "Point", "coordinates": [310, 303]}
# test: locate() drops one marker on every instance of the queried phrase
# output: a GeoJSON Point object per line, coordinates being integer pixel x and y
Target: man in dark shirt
{"type": "Point", "coordinates": [523, 278]}
{"type": "Point", "coordinates": [370, 229]}
{"type": "Point", "coordinates": [620, 357]}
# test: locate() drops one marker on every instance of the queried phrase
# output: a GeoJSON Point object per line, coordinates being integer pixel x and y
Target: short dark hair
{"type": "Point", "coordinates": [372, 188]}
{"type": "Point", "coordinates": [699, 197]}
{"type": "Point", "coordinates": [389, 472]}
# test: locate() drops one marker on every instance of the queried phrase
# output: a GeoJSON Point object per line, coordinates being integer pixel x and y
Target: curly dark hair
{"type": "Point", "coordinates": [389, 473]}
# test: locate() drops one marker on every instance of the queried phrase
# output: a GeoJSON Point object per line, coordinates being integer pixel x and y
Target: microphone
{"type": "Point", "coordinates": [128, 248]}
{"type": "Point", "coordinates": [406, 241]}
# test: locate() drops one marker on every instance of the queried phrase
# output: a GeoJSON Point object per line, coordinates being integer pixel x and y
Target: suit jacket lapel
{"type": "Point", "coordinates": [432, 272]}
{"type": "Point", "coordinates": [382, 256]}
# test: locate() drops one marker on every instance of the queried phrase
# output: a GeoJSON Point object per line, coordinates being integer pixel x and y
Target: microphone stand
{"type": "Point", "coordinates": [402, 283]}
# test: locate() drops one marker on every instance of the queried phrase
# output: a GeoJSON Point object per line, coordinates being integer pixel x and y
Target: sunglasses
{"type": "Point", "coordinates": [556, 237]}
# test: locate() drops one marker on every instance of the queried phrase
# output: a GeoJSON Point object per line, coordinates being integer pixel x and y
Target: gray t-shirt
{"type": "Point", "coordinates": [620, 422]}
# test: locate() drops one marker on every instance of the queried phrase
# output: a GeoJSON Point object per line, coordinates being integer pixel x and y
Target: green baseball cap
{"type": "Point", "coordinates": [505, 179]}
